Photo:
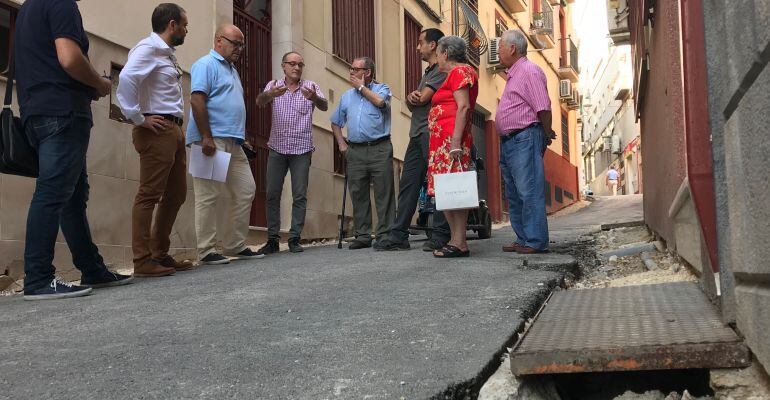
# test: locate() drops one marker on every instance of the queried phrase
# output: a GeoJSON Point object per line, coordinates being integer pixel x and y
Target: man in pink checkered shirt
{"type": "Point", "coordinates": [291, 146]}
{"type": "Point", "coordinates": [523, 122]}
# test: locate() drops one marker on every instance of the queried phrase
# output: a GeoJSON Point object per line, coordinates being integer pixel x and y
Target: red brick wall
{"type": "Point", "coordinates": [560, 175]}
{"type": "Point", "coordinates": [662, 117]}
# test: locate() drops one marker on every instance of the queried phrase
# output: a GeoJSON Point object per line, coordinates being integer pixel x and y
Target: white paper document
{"type": "Point", "coordinates": [205, 167]}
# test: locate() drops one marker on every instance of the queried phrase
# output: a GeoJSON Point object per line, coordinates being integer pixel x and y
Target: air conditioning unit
{"type": "Point", "coordinates": [493, 56]}
{"type": "Point", "coordinates": [565, 89]}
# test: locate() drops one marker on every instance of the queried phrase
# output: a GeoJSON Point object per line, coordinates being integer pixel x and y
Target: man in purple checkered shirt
{"type": "Point", "coordinates": [291, 146]}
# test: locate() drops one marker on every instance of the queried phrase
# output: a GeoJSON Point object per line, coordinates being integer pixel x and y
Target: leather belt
{"type": "Point", "coordinates": [169, 117]}
{"type": "Point", "coordinates": [371, 143]}
{"type": "Point", "coordinates": [510, 134]}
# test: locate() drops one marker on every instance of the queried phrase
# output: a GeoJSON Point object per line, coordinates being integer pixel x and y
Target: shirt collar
{"type": "Point", "coordinates": [516, 64]}
{"type": "Point", "coordinates": [431, 67]}
{"type": "Point", "coordinates": [159, 42]}
{"type": "Point", "coordinates": [282, 81]}
{"type": "Point", "coordinates": [216, 55]}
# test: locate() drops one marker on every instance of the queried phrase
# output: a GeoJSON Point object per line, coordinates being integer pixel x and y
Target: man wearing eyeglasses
{"type": "Point", "coordinates": [150, 95]}
{"type": "Point", "coordinates": [291, 146]}
{"type": "Point", "coordinates": [218, 123]}
{"type": "Point", "coordinates": [365, 109]}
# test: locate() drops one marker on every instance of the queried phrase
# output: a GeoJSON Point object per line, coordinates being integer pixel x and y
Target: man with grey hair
{"type": "Point", "coordinates": [524, 112]}
{"type": "Point", "coordinates": [365, 109]}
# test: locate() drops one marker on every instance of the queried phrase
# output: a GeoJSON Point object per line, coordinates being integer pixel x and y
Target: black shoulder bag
{"type": "Point", "coordinates": [17, 156]}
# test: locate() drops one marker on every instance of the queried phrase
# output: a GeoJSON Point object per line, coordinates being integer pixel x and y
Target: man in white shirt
{"type": "Point", "coordinates": [150, 95]}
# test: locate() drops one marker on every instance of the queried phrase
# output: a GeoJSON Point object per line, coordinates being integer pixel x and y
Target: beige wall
{"type": "Point", "coordinates": [113, 164]}
{"type": "Point", "coordinates": [491, 84]}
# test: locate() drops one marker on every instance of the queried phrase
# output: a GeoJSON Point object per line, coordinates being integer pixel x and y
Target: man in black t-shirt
{"type": "Point", "coordinates": [416, 157]}
{"type": "Point", "coordinates": [55, 86]}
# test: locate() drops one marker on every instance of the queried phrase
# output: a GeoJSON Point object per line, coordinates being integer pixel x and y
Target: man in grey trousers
{"type": "Point", "coordinates": [291, 146]}
{"type": "Point", "coordinates": [416, 157]}
{"type": "Point", "coordinates": [365, 109]}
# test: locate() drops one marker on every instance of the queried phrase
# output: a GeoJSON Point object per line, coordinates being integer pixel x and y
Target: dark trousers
{"type": "Point", "coordinates": [367, 167]}
{"type": "Point", "coordinates": [61, 193]}
{"type": "Point", "coordinates": [277, 166]}
{"type": "Point", "coordinates": [162, 183]}
{"type": "Point", "coordinates": [412, 179]}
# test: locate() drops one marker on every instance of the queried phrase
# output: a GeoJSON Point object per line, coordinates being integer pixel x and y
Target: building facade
{"type": "Point", "coordinates": [700, 71]}
{"type": "Point", "coordinates": [610, 132]}
{"type": "Point", "coordinates": [328, 33]}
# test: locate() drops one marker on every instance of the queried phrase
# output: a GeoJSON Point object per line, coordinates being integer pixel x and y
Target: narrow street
{"type": "Point", "coordinates": [326, 323]}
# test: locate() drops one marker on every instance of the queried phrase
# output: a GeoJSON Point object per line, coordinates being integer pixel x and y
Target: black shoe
{"type": "Point", "coordinates": [358, 244]}
{"type": "Point", "coordinates": [248, 254]}
{"type": "Point", "coordinates": [432, 245]}
{"type": "Point", "coordinates": [389, 245]}
{"type": "Point", "coordinates": [215, 259]}
{"type": "Point", "coordinates": [294, 246]}
{"type": "Point", "coordinates": [106, 278]}
{"type": "Point", "coordinates": [269, 248]}
{"type": "Point", "coordinates": [57, 289]}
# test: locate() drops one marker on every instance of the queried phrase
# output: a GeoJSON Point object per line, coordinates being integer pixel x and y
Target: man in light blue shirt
{"type": "Point", "coordinates": [612, 180]}
{"type": "Point", "coordinates": [218, 123]}
{"type": "Point", "coordinates": [365, 110]}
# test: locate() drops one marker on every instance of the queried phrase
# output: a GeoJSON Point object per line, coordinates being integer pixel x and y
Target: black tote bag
{"type": "Point", "coordinates": [17, 156]}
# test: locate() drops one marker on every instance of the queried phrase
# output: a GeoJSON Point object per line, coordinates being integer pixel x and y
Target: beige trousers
{"type": "Point", "coordinates": [614, 187]}
{"type": "Point", "coordinates": [236, 194]}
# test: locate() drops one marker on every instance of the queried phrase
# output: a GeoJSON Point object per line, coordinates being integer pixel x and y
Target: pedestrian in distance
{"type": "Point", "coordinates": [150, 96]}
{"type": "Point", "coordinates": [293, 101]}
{"type": "Point", "coordinates": [451, 140]}
{"type": "Point", "coordinates": [55, 86]}
{"type": "Point", "coordinates": [524, 125]}
{"type": "Point", "coordinates": [612, 180]}
{"type": "Point", "coordinates": [218, 123]}
{"type": "Point", "coordinates": [416, 157]}
{"type": "Point", "coordinates": [365, 110]}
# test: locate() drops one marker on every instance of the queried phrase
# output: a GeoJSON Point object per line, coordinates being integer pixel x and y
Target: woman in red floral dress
{"type": "Point", "coordinates": [449, 122]}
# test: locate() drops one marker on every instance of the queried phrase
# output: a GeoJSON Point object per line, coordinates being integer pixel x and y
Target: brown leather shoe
{"type": "Point", "coordinates": [169, 262]}
{"type": "Point", "coordinates": [152, 269]}
{"type": "Point", "coordinates": [513, 247]}
{"type": "Point", "coordinates": [529, 250]}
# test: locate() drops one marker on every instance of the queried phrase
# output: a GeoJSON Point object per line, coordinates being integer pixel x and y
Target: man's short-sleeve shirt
{"type": "Point", "coordinates": [365, 121]}
{"type": "Point", "coordinates": [433, 78]}
{"type": "Point", "coordinates": [44, 88]}
{"type": "Point", "coordinates": [215, 77]}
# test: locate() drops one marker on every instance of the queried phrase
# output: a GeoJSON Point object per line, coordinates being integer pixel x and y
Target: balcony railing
{"type": "Point", "coordinates": [542, 21]}
{"type": "Point", "coordinates": [569, 55]}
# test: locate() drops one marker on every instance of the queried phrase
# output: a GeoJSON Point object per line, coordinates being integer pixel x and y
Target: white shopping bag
{"type": "Point", "coordinates": [456, 190]}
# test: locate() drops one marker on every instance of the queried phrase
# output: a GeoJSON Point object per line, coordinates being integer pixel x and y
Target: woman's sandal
{"type": "Point", "coordinates": [450, 251]}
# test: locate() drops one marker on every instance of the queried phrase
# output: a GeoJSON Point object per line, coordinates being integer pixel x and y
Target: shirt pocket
{"type": "Point", "coordinates": [372, 111]}
{"type": "Point", "coordinates": [304, 106]}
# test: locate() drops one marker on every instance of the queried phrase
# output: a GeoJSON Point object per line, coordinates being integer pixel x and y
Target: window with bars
{"type": "Point", "coordinates": [7, 25]}
{"type": "Point", "coordinates": [564, 136]}
{"type": "Point", "coordinates": [413, 66]}
{"type": "Point", "coordinates": [353, 29]}
{"type": "Point", "coordinates": [500, 25]}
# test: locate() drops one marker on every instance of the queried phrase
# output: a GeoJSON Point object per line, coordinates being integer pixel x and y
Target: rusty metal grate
{"type": "Point", "coordinates": [666, 326]}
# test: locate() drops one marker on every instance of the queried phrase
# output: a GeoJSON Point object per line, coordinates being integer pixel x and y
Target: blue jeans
{"type": "Point", "coordinates": [60, 197]}
{"type": "Point", "coordinates": [521, 162]}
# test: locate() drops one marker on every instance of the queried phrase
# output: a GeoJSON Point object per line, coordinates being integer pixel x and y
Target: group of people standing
{"type": "Point", "coordinates": [56, 84]}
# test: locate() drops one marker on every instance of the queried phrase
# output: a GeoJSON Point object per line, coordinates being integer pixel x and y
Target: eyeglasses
{"type": "Point", "coordinates": [294, 64]}
{"type": "Point", "coordinates": [355, 69]}
{"type": "Point", "coordinates": [236, 44]}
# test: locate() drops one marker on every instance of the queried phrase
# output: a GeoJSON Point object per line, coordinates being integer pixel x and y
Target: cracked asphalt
{"type": "Point", "coordinates": [323, 324]}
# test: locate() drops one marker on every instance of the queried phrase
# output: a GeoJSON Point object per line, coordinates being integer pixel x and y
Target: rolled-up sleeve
{"type": "Point", "coordinates": [139, 65]}
{"type": "Point", "coordinates": [384, 91]}
{"type": "Point", "coordinates": [339, 116]}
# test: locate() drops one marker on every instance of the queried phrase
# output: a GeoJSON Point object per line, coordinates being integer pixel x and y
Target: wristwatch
{"type": "Point", "coordinates": [360, 88]}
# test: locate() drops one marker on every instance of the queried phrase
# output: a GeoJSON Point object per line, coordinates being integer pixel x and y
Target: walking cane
{"type": "Point", "coordinates": [342, 220]}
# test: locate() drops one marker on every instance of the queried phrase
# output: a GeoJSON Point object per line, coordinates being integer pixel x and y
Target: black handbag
{"type": "Point", "coordinates": [17, 156]}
